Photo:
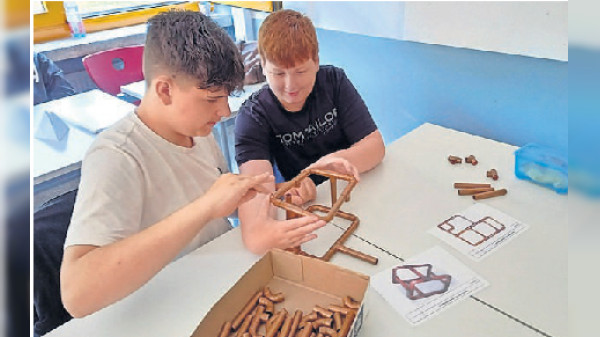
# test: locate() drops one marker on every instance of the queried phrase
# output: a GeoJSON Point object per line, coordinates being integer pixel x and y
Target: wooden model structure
{"type": "Point", "coordinates": [293, 211]}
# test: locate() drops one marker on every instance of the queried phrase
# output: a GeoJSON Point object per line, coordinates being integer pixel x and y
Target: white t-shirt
{"type": "Point", "coordinates": [131, 178]}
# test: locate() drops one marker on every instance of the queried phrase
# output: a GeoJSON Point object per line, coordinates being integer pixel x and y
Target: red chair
{"type": "Point", "coordinates": [113, 68]}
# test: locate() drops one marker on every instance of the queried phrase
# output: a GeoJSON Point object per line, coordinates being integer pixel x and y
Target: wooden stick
{"type": "Point", "coordinates": [486, 195]}
{"type": "Point", "coordinates": [277, 323]}
{"type": "Point", "coordinates": [309, 318]}
{"type": "Point", "coordinates": [337, 321]}
{"type": "Point", "coordinates": [471, 191]}
{"type": "Point", "coordinates": [295, 323]}
{"type": "Point", "coordinates": [333, 184]}
{"type": "Point", "coordinates": [347, 324]}
{"type": "Point", "coordinates": [341, 310]}
{"type": "Point", "coordinates": [327, 331]}
{"type": "Point", "coordinates": [359, 255]}
{"type": "Point", "coordinates": [276, 298]}
{"type": "Point", "coordinates": [322, 322]}
{"type": "Point", "coordinates": [244, 326]}
{"type": "Point", "coordinates": [322, 311]}
{"type": "Point", "coordinates": [246, 310]}
{"type": "Point", "coordinates": [351, 303]}
{"type": "Point", "coordinates": [307, 330]}
{"type": "Point", "coordinates": [225, 329]}
{"type": "Point", "coordinates": [470, 185]}
{"type": "Point", "coordinates": [256, 320]}
{"type": "Point", "coordinates": [286, 327]}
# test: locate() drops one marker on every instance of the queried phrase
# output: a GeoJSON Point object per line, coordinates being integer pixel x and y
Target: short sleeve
{"type": "Point", "coordinates": [251, 136]}
{"type": "Point", "coordinates": [109, 203]}
{"type": "Point", "coordinates": [355, 119]}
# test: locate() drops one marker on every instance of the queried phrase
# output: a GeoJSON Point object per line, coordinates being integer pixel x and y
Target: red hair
{"type": "Point", "coordinates": [287, 38]}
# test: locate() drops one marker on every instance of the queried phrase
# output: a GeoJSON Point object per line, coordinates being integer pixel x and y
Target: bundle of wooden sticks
{"type": "Point", "coordinates": [259, 319]}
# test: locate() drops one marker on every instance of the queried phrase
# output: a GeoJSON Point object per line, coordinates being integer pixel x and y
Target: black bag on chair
{"type": "Point", "coordinates": [251, 58]}
{"type": "Point", "coordinates": [50, 226]}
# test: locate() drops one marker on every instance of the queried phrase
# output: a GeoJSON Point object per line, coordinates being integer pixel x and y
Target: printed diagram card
{"type": "Point", "coordinates": [478, 231]}
{"type": "Point", "coordinates": [427, 284]}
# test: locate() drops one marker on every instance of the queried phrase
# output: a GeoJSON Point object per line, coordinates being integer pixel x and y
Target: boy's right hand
{"type": "Point", "coordinates": [231, 190]}
{"type": "Point", "coordinates": [287, 233]}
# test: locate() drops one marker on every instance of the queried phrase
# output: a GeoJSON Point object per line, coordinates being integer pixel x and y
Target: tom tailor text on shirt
{"type": "Point", "coordinates": [320, 126]}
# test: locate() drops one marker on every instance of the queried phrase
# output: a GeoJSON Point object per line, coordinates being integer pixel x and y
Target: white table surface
{"type": "Point", "coordinates": [177, 298]}
{"type": "Point", "coordinates": [412, 190]}
{"type": "Point", "coordinates": [49, 156]}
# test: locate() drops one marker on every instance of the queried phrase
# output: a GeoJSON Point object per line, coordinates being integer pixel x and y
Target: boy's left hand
{"type": "Point", "coordinates": [337, 164]}
{"type": "Point", "coordinates": [303, 194]}
{"type": "Point", "coordinates": [231, 190]}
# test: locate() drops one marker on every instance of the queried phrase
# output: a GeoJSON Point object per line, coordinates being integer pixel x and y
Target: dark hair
{"type": "Point", "coordinates": [189, 43]}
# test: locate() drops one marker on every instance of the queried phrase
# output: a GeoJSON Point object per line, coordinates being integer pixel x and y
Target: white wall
{"type": "Point", "coordinates": [537, 29]}
{"type": "Point", "coordinates": [379, 19]}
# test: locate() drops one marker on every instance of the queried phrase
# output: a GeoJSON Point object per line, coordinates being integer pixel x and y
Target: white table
{"type": "Point", "coordinates": [176, 300]}
{"type": "Point", "coordinates": [223, 130]}
{"type": "Point", "coordinates": [412, 190]}
{"type": "Point", "coordinates": [60, 159]}
{"type": "Point", "coordinates": [135, 89]}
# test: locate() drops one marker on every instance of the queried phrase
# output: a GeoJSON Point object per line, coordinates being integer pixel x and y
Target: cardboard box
{"type": "Point", "coordinates": [305, 282]}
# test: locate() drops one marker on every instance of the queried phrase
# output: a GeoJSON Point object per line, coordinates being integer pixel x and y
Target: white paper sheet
{"type": "Point", "coordinates": [478, 231]}
{"type": "Point", "coordinates": [464, 282]}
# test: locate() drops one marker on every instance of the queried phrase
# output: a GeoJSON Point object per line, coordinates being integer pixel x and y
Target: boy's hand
{"type": "Point", "coordinates": [303, 194]}
{"type": "Point", "coordinates": [337, 164]}
{"type": "Point", "coordinates": [287, 233]}
{"type": "Point", "coordinates": [231, 190]}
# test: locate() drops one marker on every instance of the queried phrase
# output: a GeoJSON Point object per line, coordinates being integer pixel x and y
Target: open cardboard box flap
{"type": "Point", "coordinates": [304, 281]}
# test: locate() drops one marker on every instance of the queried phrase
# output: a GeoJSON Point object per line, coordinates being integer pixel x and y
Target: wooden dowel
{"type": "Point", "coordinates": [470, 185]}
{"type": "Point", "coordinates": [333, 183]}
{"type": "Point", "coordinates": [359, 255]}
{"type": "Point", "coordinates": [351, 303]}
{"type": "Point", "coordinates": [244, 327]}
{"type": "Point", "coordinates": [225, 329]}
{"type": "Point", "coordinates": [246, 310]}
{"type": "Point", "coordinates": [337, 321]}
{"type": "Point", "coordinates": [295, 323]}
{"type": "Point", "coordinates": [347, 324]}
{"type": "Point", "coordinates": [486, 195]}
{"type": "Point", "coordinates": [471, 191]}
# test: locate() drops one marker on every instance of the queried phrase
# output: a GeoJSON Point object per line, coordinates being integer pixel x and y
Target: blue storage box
{"type": "Point", "coordinates": [543, 165]}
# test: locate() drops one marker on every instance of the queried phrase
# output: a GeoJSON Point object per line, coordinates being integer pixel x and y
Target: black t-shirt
{"type": "Point", "coordinates": [334, 117]}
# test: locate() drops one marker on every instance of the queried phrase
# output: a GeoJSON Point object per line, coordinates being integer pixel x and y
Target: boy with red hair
{"type": "Point", "coordinates": [308, 115]}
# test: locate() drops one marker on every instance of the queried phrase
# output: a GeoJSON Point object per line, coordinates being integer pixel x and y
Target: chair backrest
{"type": "Point", "coordinates": [50, 225]}
{"type": "Point", "coordinates": [113, 68]}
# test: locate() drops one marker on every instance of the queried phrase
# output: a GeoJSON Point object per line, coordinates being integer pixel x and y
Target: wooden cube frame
{"type": "Point", "coordinates": [293, 211]}
{"type": "Point", "coordinates": [278, 200]}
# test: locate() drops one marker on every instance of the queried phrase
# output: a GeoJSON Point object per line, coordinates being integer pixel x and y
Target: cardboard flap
{"type": "Point", "coordinates": [287, 265]}
{"type": "Point", "coordinates": [235, 299]}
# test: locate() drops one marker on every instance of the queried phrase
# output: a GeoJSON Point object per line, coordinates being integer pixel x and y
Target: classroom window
{"type": "Point", "coordinates": [89, 9]}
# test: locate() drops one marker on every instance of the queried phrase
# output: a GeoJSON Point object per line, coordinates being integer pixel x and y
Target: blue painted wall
{"type": "Point", "coordinates": [509, 98]}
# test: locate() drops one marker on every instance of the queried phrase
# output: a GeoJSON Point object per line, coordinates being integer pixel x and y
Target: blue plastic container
{"type": "Point", "coordinates": [543, 165]}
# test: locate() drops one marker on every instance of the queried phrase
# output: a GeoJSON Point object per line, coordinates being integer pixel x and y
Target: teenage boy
{"type": "Point", "coordinates": [153, 187]}
{"type": "Point", "coordinates": [308, 115]}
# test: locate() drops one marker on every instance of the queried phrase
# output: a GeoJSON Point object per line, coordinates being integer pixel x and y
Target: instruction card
{"type": "Point", "coordinates": [478, 231]}
{"type": "Point", "coordinates": [427, 284]}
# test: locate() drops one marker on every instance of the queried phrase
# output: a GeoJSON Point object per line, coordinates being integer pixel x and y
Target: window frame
{"type": "Point", "coordinates": [52, 25]}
